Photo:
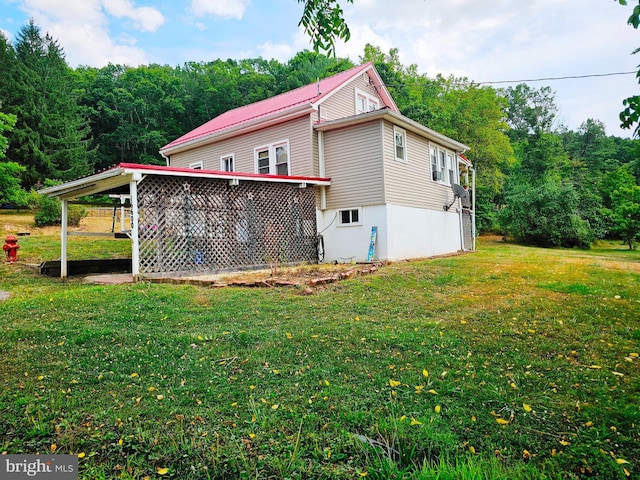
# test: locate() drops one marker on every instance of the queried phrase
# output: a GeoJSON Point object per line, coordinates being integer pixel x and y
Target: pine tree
{"type": "Point", "coordinates": [50, 136]}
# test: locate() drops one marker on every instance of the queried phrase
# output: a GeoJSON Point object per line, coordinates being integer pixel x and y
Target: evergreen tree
{"type": "Point", "coordinates": [50, 136]}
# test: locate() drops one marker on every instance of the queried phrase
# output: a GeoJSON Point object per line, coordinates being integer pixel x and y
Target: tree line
{"type": "Point", "coordinates": [537, 181]}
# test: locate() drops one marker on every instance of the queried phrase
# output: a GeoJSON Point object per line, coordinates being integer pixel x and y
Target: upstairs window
{"type": "Point", "coordinates": [273, 159]}
{"type": "Point", "coordinates": [434, 163]}
{"type": "Point", "coordinates": [365, 102]}
{"type": "Point", "coordinates": [196, 165]}
{"type": "Point", "coordinates": [227, 163]}
{"type": "Point", "coordinates": [400, 143]}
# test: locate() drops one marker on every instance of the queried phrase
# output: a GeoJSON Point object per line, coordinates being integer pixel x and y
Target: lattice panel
{"type": "Point", "coordinates": [194, 224]}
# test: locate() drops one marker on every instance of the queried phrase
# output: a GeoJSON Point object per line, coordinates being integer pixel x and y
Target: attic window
{"type": "Point", "coordinates": [365, 102]}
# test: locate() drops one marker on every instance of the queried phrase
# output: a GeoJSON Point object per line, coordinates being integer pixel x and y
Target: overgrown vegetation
{"type": "Point", "coordinates": [513, 362]}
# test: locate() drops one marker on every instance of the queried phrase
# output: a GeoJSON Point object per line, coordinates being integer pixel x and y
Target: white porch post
{"type": "Point", "coordinates": [63, 239]}
{"type": "Point", "coordinates": [135, 241]}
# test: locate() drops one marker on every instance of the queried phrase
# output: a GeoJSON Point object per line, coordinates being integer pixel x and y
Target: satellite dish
{"type": "Point", "coordinates": [458, 192]}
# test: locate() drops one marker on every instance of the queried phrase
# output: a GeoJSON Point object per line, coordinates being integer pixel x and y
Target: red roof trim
{"type": "Point", "coordinates": [218, 173]}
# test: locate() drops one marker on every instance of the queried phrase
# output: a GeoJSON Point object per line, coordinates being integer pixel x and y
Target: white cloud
{"type": "Point", "coordinates": [220, 8]}
{"type": "Point", "coordinates": [82, 28]}
{"type": "Point", "coordinates": [146, 19]}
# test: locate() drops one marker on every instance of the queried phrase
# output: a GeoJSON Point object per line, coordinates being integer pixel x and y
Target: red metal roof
{"type": "Point", "coordinates": [280, 104]}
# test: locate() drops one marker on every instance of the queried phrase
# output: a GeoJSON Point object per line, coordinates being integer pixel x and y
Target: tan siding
{"type": "Point", "coordinates": [297, 131]}
{"type": "Point", "coordinates": [343, 102]}
{"type": "Point", "coordinates": [353, 159]}
{"type": "Point", "coordinates": [410, 184]}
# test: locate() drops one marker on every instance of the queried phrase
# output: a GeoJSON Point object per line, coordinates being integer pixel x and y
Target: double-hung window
{"type": "Point", "coordinates": [443, 166]}
{"type": "Point", "coordinates": [273, 159]}
{"type": "Point", "coordinates": [227, 163]}
{"type": "Point", "coordinates": [365, 102]}
{"type": "Point", "coordinates": [400, 143]}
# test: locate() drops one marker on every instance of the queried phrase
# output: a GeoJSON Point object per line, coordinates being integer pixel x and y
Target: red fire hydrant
{"type": "Point", "coordinates": [11, 247]}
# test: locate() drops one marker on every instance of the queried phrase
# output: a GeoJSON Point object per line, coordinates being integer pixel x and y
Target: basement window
{"type": "Point", "coordinates": [349, 216]}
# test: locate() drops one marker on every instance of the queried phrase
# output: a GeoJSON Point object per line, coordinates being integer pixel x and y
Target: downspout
{"type": "Point", "coordinates": [321, 171]}
{"type": "Point", "coordinates": [473, 208]}
{"type": "Point", "coordinates": [166, 159]}
{"type": "Point", "coordinates": [461, 224]}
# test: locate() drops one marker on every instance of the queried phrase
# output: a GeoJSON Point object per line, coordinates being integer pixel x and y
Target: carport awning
{"type": "Point", "coordinates": [118, 178]}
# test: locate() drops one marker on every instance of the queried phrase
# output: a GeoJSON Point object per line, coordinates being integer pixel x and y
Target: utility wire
{"type": "Point", "coordinates": [568, 77]}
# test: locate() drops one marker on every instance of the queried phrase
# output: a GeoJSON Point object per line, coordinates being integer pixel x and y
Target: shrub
{"type": "Point", "coordinates": [545, 215]}
{"type": "Point", "coordinates": [48, 211]}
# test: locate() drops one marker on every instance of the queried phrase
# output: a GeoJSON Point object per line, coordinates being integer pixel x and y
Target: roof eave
{"type": "Point", "coordinates": [396, 119]}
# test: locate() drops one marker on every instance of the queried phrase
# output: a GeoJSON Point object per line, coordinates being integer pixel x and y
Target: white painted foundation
{"type": "Point", "coordinates": [403, 233]}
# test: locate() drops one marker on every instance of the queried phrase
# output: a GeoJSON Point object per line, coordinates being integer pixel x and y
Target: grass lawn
{"type": "Point", "coordinates": [511, 362]}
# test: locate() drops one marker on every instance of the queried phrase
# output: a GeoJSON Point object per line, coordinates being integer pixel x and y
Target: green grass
{"type": "Point", "coordinates": [512, 362]}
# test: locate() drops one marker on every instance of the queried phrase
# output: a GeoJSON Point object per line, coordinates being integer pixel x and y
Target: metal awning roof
{"type": "Point", "coordinates": [117, 179]}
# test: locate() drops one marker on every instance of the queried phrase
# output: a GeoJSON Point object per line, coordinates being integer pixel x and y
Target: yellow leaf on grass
{"type": "Point", "coordinates": [472, 450]}
{"type": "Point", "coordinates": [526, 408]}
{"type": "Point", "coordinates": [160, 397]}
{"type": "Point", "coordinates": [326, 383]}
{"type": "Point", "coordinates": [415, 422]}
{"type": "Point", "coordinates": [403, 418]}
{"type": "Point", "coordinates": [133, 375]}
{"type": "Point", "coordinates": [162, 471]}
{"type": "Point", "coordinates": [633, 354]}
{"type": "Point", "coordinates": [588, 424]}
{"type": "Point", "coordinates": [502, 421]}
{"type": "Point", "coordinates": [363, 474]}
{"type": "Point", "coordinates": [425, 372]}
{"type": "Point", "coordinates": [54, 447]}
{"type": "Point", "coordinates": [564, 443]}
{"type": "Point", "coordinates": [437, 409]}
{"type": "Point", "coordinates": [274, 407]}
{"type": "Point", "coordinates": [419, 388]}
{"type": "Point", "coordinates": [626, 472]}
{"type": "Point", "coordinates": [432, 392]}
{"type": "Point", "coordinates": [252, 436]}
{"type": "Point", "coordinates": [289, 336]}
{"type": "Point", "coordinates": [621, 461]}
{"type": "Point", "coordinates": [595, 367]}
{"type": "Point", "coordinates": [81, 455]}
{"type": "Point", "coordinates": [393, 383]}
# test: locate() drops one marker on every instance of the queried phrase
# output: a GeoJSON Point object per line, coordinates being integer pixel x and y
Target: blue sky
{"type": "Point", "coordinates": [489, 40]}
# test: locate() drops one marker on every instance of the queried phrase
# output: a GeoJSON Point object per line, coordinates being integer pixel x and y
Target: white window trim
{"type": "Point", "coordinates": [272, 156]}
{"type": "Point", "coordinates": [233, 162]}
{"type": "Point", "coordinates": [402, 131]}
{"type": "Point", "coordinates": [197, 165]}
{"type": "Point", "coordinates": [350, 224]}
{"type": "Point", "coordinates": [450, 163]}
{"type": "Point", "coordinates": [370, 99]}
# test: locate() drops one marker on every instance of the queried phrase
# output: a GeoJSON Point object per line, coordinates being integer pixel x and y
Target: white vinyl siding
{"type": "Point", "coordinates": [297, 131]}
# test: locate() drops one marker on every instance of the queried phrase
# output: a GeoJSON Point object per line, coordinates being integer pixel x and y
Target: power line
{"type": "Point", "coordinates": [568, 77]}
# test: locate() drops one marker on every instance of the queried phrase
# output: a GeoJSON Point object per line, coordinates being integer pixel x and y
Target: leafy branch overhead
{"type": "Point", "coordinates": [631, 114]}
{"type": "Point", "coordinates": [323, 21]}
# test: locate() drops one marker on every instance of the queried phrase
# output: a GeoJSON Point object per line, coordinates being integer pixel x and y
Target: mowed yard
{"type": "Point", "coordinates": [511, 362]}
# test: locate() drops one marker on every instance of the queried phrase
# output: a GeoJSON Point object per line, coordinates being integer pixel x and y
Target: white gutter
{"type": "Point", "coordinates": [321, 170]}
